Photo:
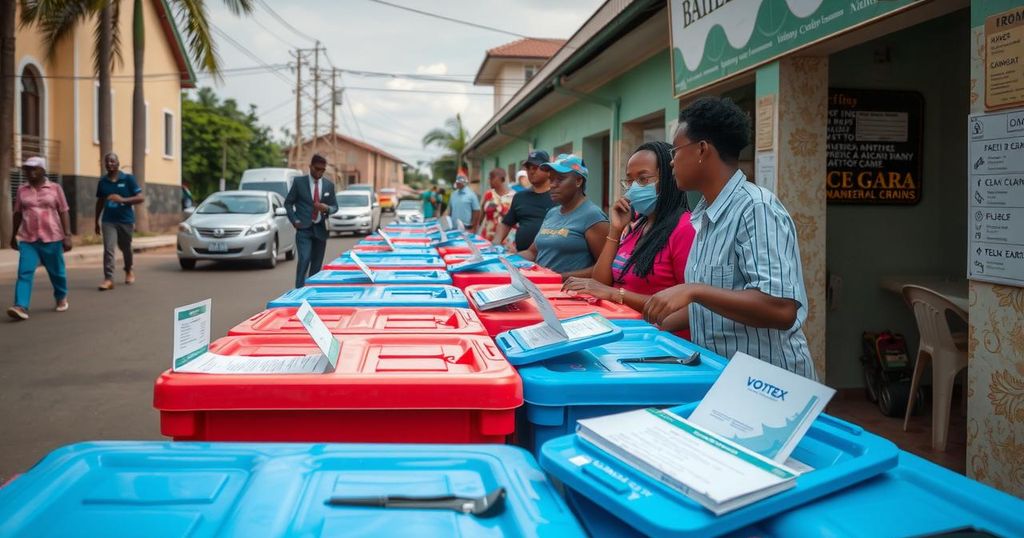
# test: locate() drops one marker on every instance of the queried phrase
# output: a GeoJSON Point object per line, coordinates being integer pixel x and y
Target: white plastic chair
{"type": "Point", "coordinates": [938, 346]}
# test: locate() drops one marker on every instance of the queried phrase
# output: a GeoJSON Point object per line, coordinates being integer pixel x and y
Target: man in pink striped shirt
{"type": "Point", "coordinates": [42, 234]}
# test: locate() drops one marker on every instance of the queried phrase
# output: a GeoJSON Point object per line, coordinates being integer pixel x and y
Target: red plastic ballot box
{"type": "Point", "coordinates": [351, 320]}
{"type": "Point", "coordinates": [525, 312]}
{"type": "Point", "coordinates": [423, 240]}
{"type": "Point", "coordinates": [496, 274]}
{"type": "Point", "coordinates": [388, 388]}
{"type": "Point", "coordinates": [413, 249]}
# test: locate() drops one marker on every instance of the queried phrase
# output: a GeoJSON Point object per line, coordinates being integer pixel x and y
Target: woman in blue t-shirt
{"type": "Point", "coordinates": [574, 231]}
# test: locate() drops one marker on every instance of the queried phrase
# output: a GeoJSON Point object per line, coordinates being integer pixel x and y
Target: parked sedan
{"type": "Point", "coordinates": [409, 211]}
{"type": "Point", "coordinates": [356, 213]}
{"type": "Point", "coordinates": [237, 225]}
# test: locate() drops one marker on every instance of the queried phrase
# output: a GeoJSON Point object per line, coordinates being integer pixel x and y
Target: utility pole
{"type": "Point", "coordinates": [316, 93]}
{"type": "Point", "coordinates": [296, 151]}
{"type": "Point", "coordinates": [334, 100]}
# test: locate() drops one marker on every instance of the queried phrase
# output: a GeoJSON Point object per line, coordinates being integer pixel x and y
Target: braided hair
{"type": "Point", "coordinates": [668, 209]}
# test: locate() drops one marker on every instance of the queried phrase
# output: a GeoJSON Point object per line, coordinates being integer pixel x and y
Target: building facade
{"type": "Point", "coordinates": [56, 113]}
{"type": "Point", "coordinates": [913, 70]}
{"type": "Point", "coordinates": [511, 65]}
{"type": "Point", "coordinates": [351, 161]}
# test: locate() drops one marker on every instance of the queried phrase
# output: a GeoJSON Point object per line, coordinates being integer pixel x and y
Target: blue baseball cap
{"type": "Point", "coordinates": [567, 162]}
{"type": "Point", "coordinates": [537, 157]}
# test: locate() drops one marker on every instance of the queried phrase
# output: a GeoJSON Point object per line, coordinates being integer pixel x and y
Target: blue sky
{"type": "Point", "coordinates": [363, 35]}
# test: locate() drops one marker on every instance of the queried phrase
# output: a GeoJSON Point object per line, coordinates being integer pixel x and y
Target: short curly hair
{"type": "Point", "coordinates": [720, 122]}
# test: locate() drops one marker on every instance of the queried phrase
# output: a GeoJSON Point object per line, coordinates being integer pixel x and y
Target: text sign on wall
{"type": "Point", "coordinates": [715, 39]}
{"type": "Point", "coordinates": [874, 147]}
{"type": "Point", "coordinates": [995, 190]}
{"type": "Point", "coordinates": [1004, 59]}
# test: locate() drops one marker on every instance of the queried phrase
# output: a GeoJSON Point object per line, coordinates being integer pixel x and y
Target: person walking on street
{"type": "Point", "coordinates": [528, 207]}
{"type": "Point", "coordinates": [116, 195]}
{"type": "Point", "coordinates": [496, 203]}
{"type": "Point", "coordinates": [464, 205]}
{"type": "Point", "coordinates": [308, 203]}
{"type": "Point", "coordinates": [42, 234]}
{"type": "Point", "coordinates": [428, 203]}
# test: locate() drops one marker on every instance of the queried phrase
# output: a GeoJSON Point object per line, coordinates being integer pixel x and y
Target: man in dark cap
{"type": "Point", "coordinates": [528, 207]}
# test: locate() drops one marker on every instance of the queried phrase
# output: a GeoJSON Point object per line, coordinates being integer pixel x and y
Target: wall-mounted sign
{"type": "Point", "coordinates": [1004, 59]}
{"type": "Point", "coordinates": [715, 39]}
{"type": "Point", "coordinates": [995, 190]}
{"type": "Point", "coordinates": [765, 133]}
{"type": "Point", "coordinates": [874, 147]}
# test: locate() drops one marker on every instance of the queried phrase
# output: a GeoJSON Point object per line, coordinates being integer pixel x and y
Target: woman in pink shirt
{"type": "Point", "coordinates": [42, 234]}
{"type": "Point", "coordinates": [650, 234]}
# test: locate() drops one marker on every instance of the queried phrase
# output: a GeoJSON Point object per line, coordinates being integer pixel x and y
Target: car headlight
{"type": "Point", "coordinates": [258, 228]}
{"type": "Point", "coordinates": [184, 227]}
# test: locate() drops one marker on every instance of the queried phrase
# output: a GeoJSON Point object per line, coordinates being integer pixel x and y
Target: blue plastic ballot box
{"type": "Point", "coordinates": [163, 489]}
{"type": "Point", "coordinates": [490, 263]}
{"type": "Point", "coordinates": [328, 277]}
{"type": "Point", "coordinates": [917, 498]}
{"type": "Point", "coordinates": [605, 380]}
{"type": "Point", "coordinates": [384, 250]}
{"type": "Point", "coordinates": [613, 499]}
{"type": "Point", "coordinates": [383, 295]}
{"type": "Point", "coordinates": [378, 260]}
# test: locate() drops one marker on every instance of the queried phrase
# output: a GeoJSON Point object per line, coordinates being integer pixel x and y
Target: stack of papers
{"type": "Point", "coordinates": [733, 449]}
{"type": "Point", "coordinates": [499, 296]}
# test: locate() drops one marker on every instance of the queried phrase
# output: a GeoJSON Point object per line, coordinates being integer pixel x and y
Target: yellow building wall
{"type": "Point", "coordinates": [162, 91]}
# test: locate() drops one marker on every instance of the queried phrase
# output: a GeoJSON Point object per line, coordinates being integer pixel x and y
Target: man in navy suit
{"type": "Point", "coordinates": [309, 202]}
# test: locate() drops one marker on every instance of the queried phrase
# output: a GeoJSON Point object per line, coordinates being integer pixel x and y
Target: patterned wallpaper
{"type": "Point", "coordinates": [802, 107]}
{"type": "Point", "coordinates": [995, 372]}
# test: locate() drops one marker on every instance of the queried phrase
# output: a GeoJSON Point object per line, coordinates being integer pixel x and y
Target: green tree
{"type": "Point", "coordinates": [452, 138]}
{"type": "Point", "coordinates": [6, 118]}
{"type": "Point", "coordinates": [217, 133]}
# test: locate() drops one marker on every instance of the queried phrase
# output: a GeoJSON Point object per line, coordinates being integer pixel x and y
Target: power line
{"type": "Point", "coordinates": [269, 31]}
{"type": "Point", "coordinates": [445, 18]}
{"type": "Point", "coordinates": [247, 52]}
{"type": "Point", "coordinates": [284, 22]}
{"type": "Point", "coordinates": [439, 92]}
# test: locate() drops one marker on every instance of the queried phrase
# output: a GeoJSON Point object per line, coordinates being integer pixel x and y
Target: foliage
{"type": "Point", "coordinates": [452, 138]}
{"type": "Point", "coordinates": [209, 129]}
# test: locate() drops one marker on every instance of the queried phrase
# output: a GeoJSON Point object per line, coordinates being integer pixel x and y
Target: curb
{"type": "Point", "coordinates": [94, 255]}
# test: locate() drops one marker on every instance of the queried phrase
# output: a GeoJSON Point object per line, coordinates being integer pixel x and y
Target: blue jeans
{"type": "Point", "coordinates": [52, 257]}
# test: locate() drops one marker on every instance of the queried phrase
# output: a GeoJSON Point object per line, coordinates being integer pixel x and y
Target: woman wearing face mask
{"type": "Point", "coordinates": [649, 237]}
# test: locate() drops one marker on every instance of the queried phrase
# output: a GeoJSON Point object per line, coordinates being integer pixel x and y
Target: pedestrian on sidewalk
{"type": "Point", "coordinates": [42, 234]}
{"type": "Point", "coordinates": [116, 195]}
{"type": "Point", "coordinates": [308, 203]}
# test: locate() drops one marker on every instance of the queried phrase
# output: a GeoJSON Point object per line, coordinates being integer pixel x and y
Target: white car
{"type": "Point", "coordinates": [356, 213]}
{"type": "Point", "coordinates": [277, 180]}
{"type": "Point", "coordinates": [237, 225]}
{"type": "Point", "coordinates": [409, 211]}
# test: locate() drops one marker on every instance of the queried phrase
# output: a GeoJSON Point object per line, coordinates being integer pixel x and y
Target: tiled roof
{"type": "Point", "coordinates": [529, 47]}
{"type": "Point", "coordinates": [358, 143]}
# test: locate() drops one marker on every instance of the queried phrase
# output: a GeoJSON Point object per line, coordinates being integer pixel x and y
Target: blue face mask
{"type": "Point", "coordinates": [643, 198]}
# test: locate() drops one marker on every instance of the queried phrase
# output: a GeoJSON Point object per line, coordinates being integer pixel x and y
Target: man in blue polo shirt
{"type": "Point", "coordinates": [116, 195]}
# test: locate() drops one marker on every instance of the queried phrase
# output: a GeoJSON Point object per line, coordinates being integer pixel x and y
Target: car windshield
{"type": "Point", "coordinates": [350, 200]}
{"type": "Point", "coordinates": [280, 187]}
{"type": "Point", "coordinates": [246, 205]}
{"type": "Point", "coordinates": [409, 204]}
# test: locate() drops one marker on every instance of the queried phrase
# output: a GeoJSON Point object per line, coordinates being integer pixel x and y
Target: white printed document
{"type": "Point", "coordinates": [192, 344]}
{"type": "Point", "coordinates": [544, 333]}
{"type": "Point", "coordinates": [707, 468]}
{"type": "Point", "coordinates": [499, 296]}
{"type": "Point", "coordinates": [761, 407]}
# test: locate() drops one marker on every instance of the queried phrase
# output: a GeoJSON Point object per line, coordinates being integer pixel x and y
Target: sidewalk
{"type": "Point", "coordinates": [91, 253]}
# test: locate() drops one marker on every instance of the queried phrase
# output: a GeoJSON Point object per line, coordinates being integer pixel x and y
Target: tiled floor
{"type": "Point", "coordinates": [853, 406]}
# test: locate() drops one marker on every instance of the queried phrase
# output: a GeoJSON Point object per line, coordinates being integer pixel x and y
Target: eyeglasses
{"type": "Point", "coordinates": [642, 180]}
{"type": "Point", "coordinates": [672, 152]}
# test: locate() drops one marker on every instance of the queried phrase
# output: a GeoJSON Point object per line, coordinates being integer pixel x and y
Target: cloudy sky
{"type": "Point", "coordinates": [368, 36]}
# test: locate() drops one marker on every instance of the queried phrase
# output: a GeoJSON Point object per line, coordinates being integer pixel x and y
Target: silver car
{"type": "Point", "coordinates": [356, 213]}
{"type": "Point", "coordinates": [237, 225]}
{"type": "Point", "coordinates": [409, 211]}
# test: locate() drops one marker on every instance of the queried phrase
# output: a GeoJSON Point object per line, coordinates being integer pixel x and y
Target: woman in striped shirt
{"type": "Point", "coordinates": [650, 234]}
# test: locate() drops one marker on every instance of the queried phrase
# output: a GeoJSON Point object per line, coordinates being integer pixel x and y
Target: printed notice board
{"type": "Point", "coordinates": [874, 147]}
{"type": "Point", "coordinates": [995, 190]}
{"type": "Point", "coordinates": [1004, 59]}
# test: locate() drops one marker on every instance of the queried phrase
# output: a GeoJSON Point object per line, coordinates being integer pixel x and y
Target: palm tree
{"type": "Point", "coordinates": [200, 47]}
{"type": "Point", "coordinates": [57, 19]}
{"type": "Point", "coordinates": [6, 118]}
{"type": "Point", "coordinates": [452, 138]}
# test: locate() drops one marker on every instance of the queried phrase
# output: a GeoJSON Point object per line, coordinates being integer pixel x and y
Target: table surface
{"type": "Point", "coordinates": [953, 288]}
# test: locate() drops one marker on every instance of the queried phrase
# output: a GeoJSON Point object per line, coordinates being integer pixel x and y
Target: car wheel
{"type": "Point", "coordinates": [187, 264]}
{"type": "Point", "coordinates": [271, 262]}
{"type": "Point", "coordinates": [290, 255]}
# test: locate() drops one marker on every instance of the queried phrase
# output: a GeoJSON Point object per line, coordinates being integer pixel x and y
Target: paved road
{"type": "Point", "coordinates": [88, 373]}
